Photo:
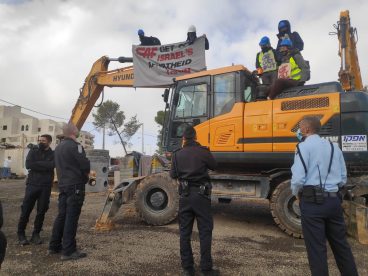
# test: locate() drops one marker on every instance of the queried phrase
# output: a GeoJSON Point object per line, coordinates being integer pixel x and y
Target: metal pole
{"type": "Point", "coordinates": [103, 137]}
{"type": "Point", "coordinates": [142, 138]}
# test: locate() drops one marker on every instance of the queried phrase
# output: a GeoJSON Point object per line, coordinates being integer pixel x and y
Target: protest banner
{"type": "Point", "coordinates": [158, 65]}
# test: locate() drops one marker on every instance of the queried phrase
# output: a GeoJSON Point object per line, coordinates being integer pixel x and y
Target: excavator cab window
{"type": "Point", "coordinates": [192, 101]}
{"type": "Point", "coordinates": [224, 93]}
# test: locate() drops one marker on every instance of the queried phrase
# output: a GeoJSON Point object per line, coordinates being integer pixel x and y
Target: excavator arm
{"type": "Point", "coordinates": [349, 74]}
{"type": "Point", "coordinates": [97, 79]}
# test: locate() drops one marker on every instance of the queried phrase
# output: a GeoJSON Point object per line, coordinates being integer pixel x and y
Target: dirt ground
{"type": "Point", "coordinates": [246, 241]}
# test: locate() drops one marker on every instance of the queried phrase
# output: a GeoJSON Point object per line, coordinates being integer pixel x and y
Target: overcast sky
{"type": "Point", "coordinates": [48, 47]}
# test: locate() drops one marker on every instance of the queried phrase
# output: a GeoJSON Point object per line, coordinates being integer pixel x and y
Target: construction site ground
{"type": "Point", "coordinates": [246, 241]}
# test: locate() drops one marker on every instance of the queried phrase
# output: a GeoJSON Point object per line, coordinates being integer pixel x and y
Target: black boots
{"type": "Point", "coordinates": [36, 238]}
{"type": "Point", "coordinates": [22, 239]}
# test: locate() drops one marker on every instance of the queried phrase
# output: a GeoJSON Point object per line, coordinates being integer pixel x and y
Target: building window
{"type": "Point", "coordinates": [22, 128]}
{"type": "Point", "coordinates": [3, 140]}
{"type": "Point", "coordinates": [39, 129]}
{"type": "Point", "coordinates": [5, 127]}
{"type": "Point", "coordinates": [27, 127]}
{"type": "Point", "coordinates": [51, 128]}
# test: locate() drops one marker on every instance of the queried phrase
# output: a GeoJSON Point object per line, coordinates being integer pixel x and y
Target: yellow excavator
{"type": "Point", "coordinates": [253, 140]}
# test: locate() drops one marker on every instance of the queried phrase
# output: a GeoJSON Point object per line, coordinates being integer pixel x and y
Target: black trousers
{"type": "Point", "coordinates": [3, 244]}
{"type": "Point", "coordinates": [195, 206]}
{"type": "Point", "coordinates": [66, 222]}
{"type": "Point", "coordinates": [321, 222]}
{"type": "Point", "coordinates": [41, 195]}
{"type": "Point", "coordinates": [280, 84]}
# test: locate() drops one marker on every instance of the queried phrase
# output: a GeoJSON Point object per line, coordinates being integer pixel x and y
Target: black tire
{"type": "Point", "coordinates": [157, 199]}
{"type": "Point", "coordinates": [285, 210]}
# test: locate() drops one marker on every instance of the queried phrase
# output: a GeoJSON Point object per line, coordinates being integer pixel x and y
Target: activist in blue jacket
{"type": "Point", "coordinates": [285, 32]}
{"type": "Point", "coordinates": [192, 36]}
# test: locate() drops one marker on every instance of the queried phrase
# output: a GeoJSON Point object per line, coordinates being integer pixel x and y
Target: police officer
{"type": "Point", "coordinates": [40, 165]}
{"type": "Point", "coordinates": [72, 168]}
{"type": "Point", "coordinates": [319, 172]}
{"type": "Point", "coordinates": [190, 166]}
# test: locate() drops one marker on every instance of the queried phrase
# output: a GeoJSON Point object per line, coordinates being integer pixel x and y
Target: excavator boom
{"type": "Point", "coordinates": [349, 74]}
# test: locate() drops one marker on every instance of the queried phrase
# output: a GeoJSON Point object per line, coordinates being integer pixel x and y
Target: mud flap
{"type": "Point", "coordinates": [121, 194]}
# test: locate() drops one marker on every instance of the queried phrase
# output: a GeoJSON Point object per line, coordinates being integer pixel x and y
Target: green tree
{"type": "Point", "coordinates": [159, 119]}
{"type": "Point", "coordinates": [110, 117]}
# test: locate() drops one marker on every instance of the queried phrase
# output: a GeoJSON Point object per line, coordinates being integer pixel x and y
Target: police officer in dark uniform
{"type": "Point", "coordinates": [72, 168]}
{"type": "Point", "coordinates": [190, 166]}
{"type": "Point", "coordinates": [319, 172]}
{"type": "Point", "coordinates": [40, 164]}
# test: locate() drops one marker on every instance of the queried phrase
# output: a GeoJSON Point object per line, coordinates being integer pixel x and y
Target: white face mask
{"type": "Point", "coordinates": [299, 135]}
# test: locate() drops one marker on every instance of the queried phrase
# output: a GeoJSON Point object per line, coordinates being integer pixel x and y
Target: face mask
{"type": "Point", "coordinates": [299, 135]}
{"type": "Point", "coordinates": [42, 146]}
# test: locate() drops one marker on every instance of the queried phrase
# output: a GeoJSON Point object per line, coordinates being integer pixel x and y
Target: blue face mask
{"type": "Point", "coordinates": [299, 135]}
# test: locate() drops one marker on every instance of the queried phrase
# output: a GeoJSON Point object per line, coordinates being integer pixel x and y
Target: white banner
{"type": "Point", "coordinates": [158, 65]}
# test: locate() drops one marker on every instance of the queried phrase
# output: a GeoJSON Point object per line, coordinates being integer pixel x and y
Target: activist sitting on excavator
{"type": "Point", "coordinates": [293, 71]}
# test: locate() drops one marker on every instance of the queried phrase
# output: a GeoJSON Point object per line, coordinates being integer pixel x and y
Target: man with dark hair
{"type": "Point", "coordinates": [72, 168]}
{"type": "Point", "coordinates": [319, 172]}
{"type": "Point", "coordinates": [40, 165]}
{"type": "Point", "coordinates": [3, 241]}
{"type": "Point", "coordinates": [190, 166]}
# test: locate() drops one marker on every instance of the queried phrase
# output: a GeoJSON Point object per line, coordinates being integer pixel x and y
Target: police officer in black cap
{"type": "Point", "coordinates": [190, 166]}
{"type": "Point", "coordinates": [72, 168]}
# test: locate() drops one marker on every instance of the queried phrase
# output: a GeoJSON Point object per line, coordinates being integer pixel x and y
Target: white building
{"type": "Point", "coordinates": [19, 130]}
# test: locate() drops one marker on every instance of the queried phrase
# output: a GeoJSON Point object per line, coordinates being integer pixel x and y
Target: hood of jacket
{"type": "Point", "coordinates": [287, 24]}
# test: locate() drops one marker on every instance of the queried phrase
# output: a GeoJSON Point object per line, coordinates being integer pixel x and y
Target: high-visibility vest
{"type": "Point", "coordinates": [267, 61]}
{"type": "Point", "coordinates": [295, 72]}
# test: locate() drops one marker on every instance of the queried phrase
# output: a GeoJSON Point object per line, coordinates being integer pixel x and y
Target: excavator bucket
{"type": "Point", "coordinates": [117, 197]}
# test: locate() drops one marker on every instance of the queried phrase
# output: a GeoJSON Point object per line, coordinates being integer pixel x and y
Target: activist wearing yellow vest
{"type": "Point", "coordinates": [295, 73]}
{"type": "Point", "coordinates": [267, 61]}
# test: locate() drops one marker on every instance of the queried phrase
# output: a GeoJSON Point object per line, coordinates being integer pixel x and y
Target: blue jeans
{"type": "Point", "coordinates": [5, 173]}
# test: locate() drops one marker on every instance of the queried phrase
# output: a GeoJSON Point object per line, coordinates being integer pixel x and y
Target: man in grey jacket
{"type": "Point", "coordinates": [293, 71]}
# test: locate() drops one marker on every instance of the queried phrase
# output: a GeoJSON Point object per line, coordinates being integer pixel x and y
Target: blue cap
{"type": "Point", "coordinates": [264, 41]}
{"type": "Point", "coordinates": [140, 32]}
{"type": "Point", "coordinates": [286, 42]}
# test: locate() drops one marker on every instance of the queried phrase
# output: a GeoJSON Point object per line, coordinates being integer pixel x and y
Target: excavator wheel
{"type": "Point", "coordinates": [157, 199]}
{"type": "Point", "coordinates": [285, 210]}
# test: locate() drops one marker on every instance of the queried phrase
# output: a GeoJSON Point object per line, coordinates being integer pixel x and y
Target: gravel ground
{"type": "Point", "coordinates": [246, 242]}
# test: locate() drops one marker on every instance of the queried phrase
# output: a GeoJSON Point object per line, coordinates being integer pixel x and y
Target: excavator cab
{"type": "Point", "coordinates": [200, 98]}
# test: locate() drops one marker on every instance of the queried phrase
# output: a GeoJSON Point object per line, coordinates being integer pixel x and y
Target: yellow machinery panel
{"type": "Point", "coordinates": [203, 130]}
{"type": "Point", "coordinates": [258, 126]}
{"type": "Point", "coordinates": [287, 113]}
{"type": "Point", "coordinates": [227, 129]}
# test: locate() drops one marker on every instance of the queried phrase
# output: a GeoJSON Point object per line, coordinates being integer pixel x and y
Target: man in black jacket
{"type": "Point", "coordinates": [192, 36]}
{"type": "Point", "coordinates": [285, 33]}
{"type": "Point", "coordinates": [40, 165]}
{"type": "Point", "coordinates": [147, 40]}
{"type": "Point", "coordinates": [190, 166]}
{"type": "Point", "coordinates": [72, 168]}
{"type": "Point", "coordinates": [3, 242]}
